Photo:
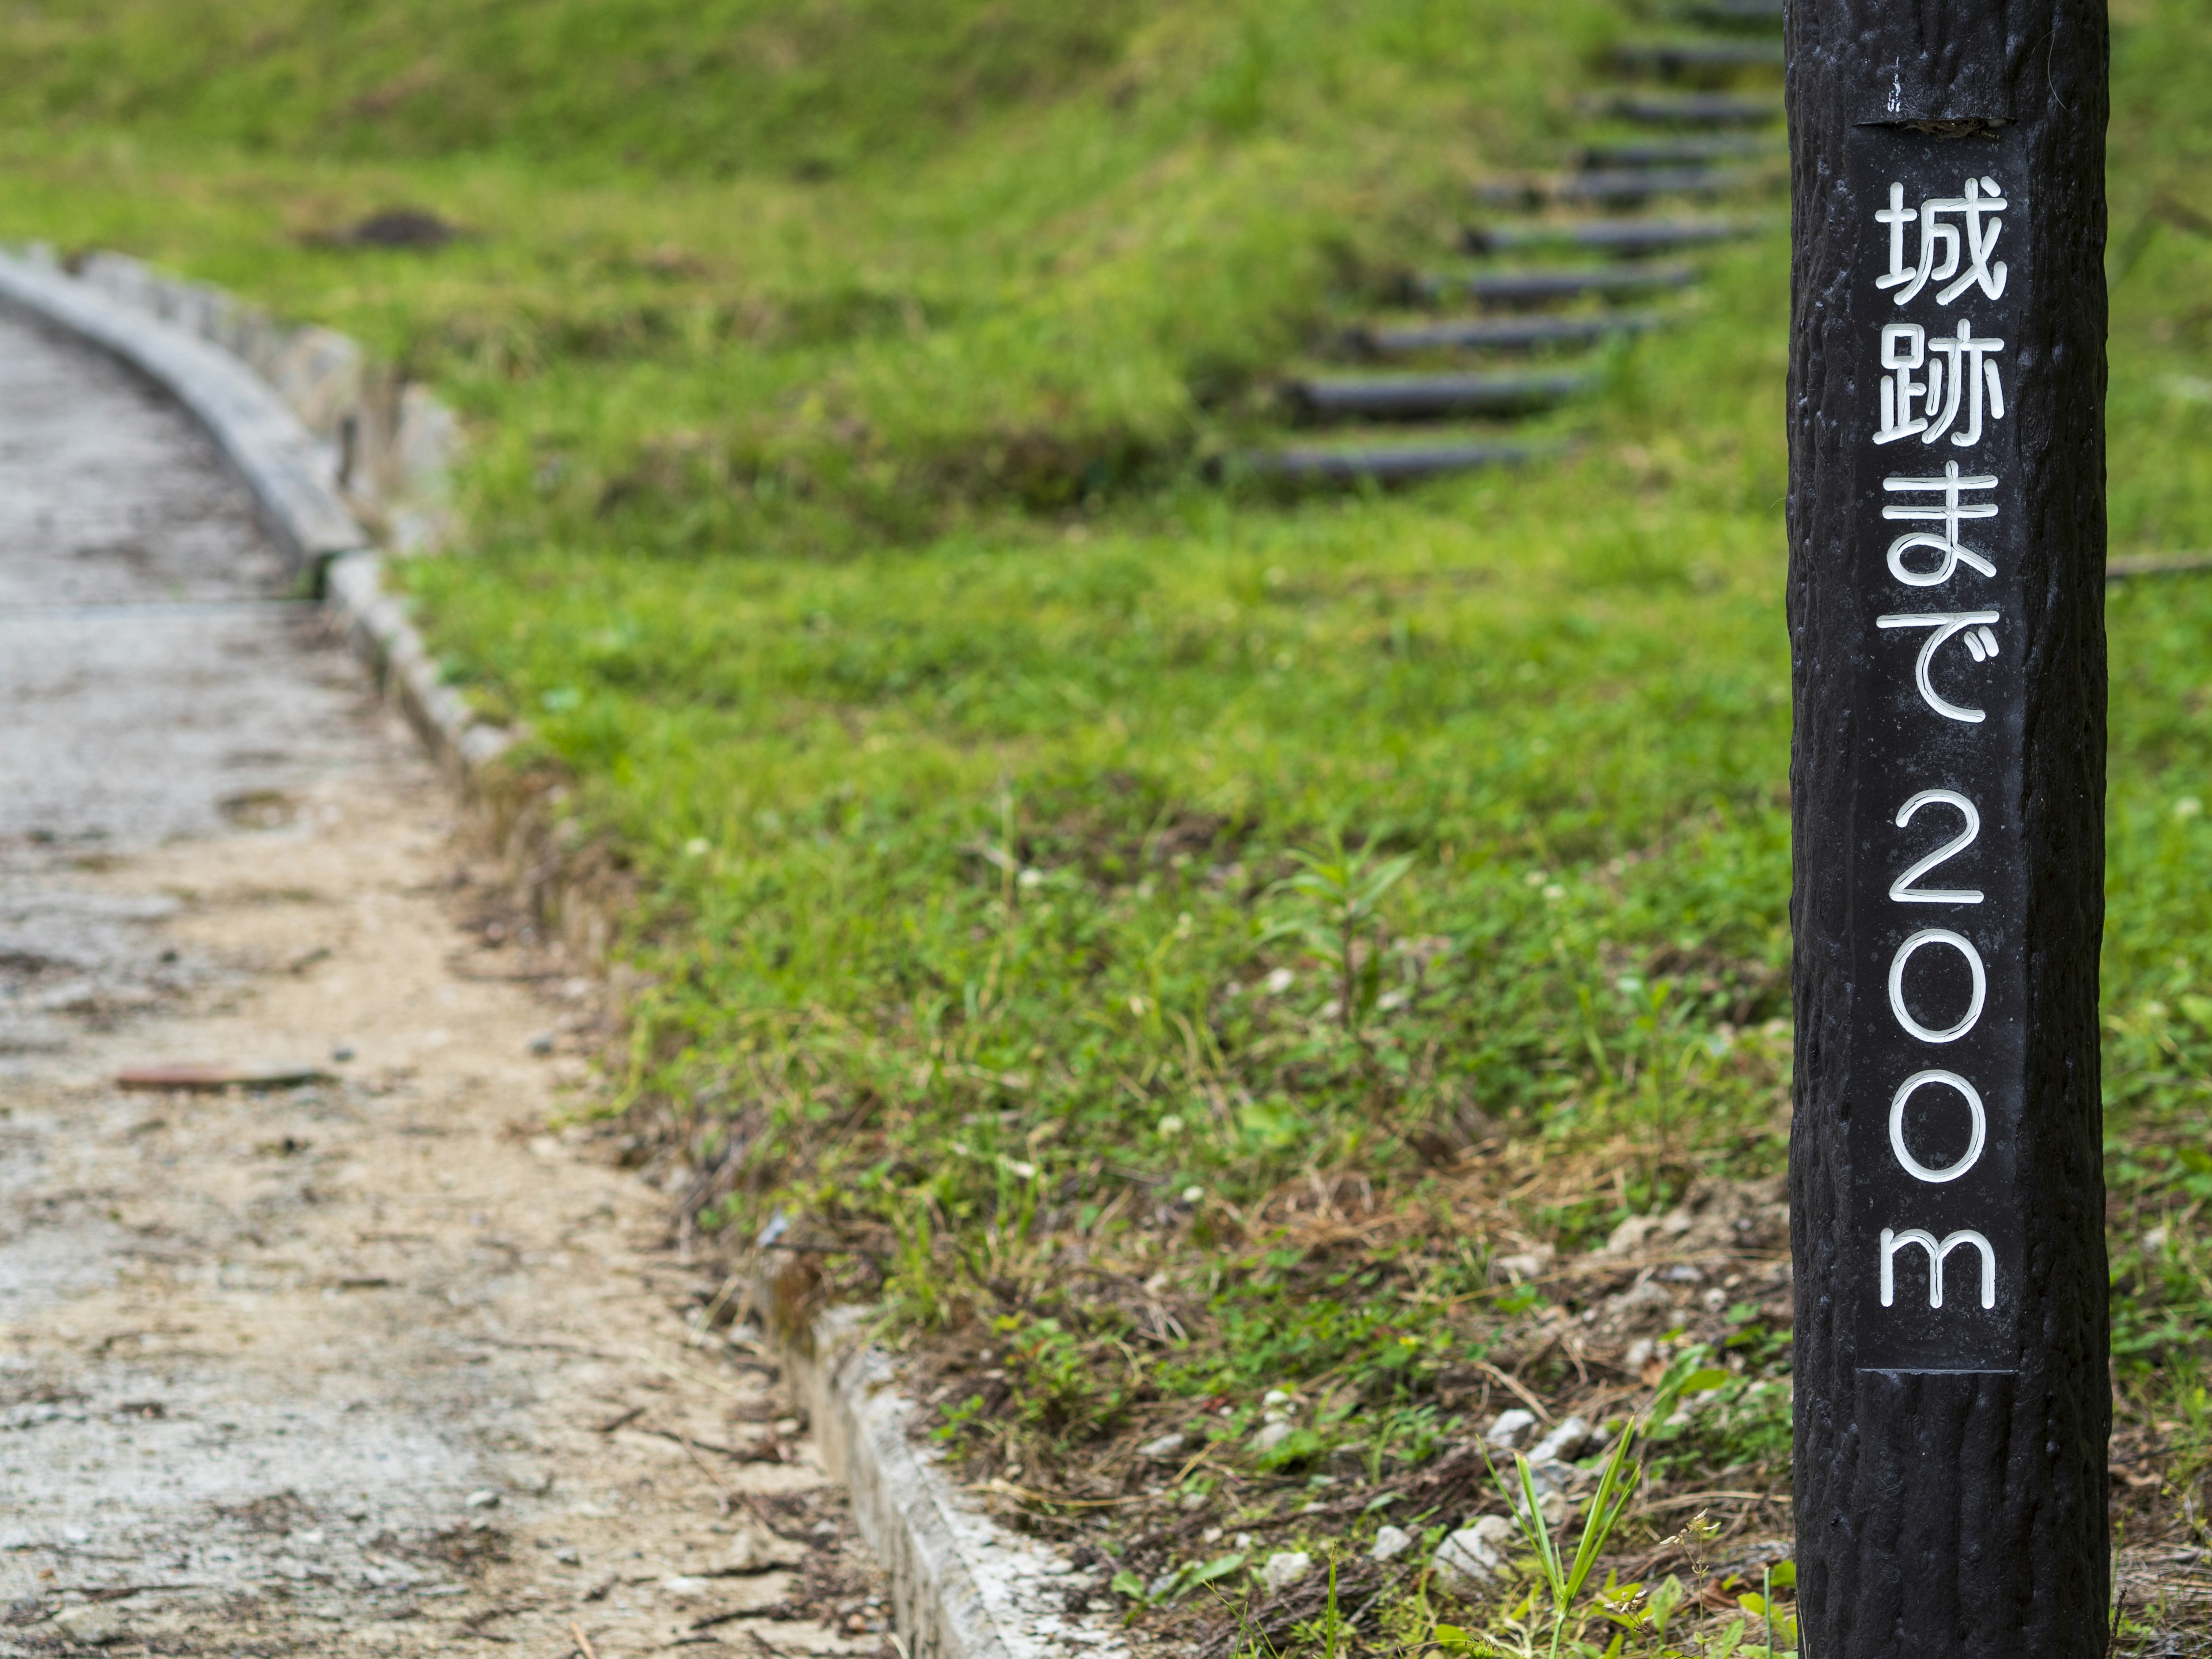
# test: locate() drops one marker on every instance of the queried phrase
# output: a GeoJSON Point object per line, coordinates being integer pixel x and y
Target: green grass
{"type": "Point", "coordinates": [837, 377]}
{"type": "Point", "coordinates": [1049, 272]}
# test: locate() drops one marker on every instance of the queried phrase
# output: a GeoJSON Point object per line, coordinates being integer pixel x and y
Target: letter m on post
{"type": "Point", "coordinates": [1893, 1242]}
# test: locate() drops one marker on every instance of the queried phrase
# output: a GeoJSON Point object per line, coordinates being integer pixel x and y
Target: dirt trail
{"type": "Point", "coordinates": [374, 1363]}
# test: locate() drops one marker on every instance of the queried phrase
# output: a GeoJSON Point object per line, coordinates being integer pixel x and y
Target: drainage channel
{"type": "Point", "coordinates": [1682, 157]}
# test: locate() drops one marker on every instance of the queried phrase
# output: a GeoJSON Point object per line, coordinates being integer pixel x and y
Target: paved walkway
{"type": "Point", "coordinates": [379, 1362]}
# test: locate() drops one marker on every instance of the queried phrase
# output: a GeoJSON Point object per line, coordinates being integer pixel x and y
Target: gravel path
{"type": "Point", "coordinates": [379, 1362]}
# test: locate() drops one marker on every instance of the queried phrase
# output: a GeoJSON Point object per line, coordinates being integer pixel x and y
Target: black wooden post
{"type": "Point", "coordinates": [1947, 543]}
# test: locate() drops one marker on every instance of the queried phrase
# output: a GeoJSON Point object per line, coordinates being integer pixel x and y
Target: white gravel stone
{"type": "Point", "coordinates": [1167, 1446]}
{"type": "Point", "coordinates": [1473, 1555]}
{"type": "Point", "coordinates": [1530, 1264]}
{"type": "Point", "coordinates": [1271, 1435]}
{"type": "Point", "coordinates": [92, 1625]}
{"type": "Point", "coordinates": [1509, 1428]}
{"type": "Point", "coordinates": [1564, 1444]}
{"type": "Point", "coordinates": [1390, 1543]}
{"type": "Point", "coordinates": [1284, 1569]}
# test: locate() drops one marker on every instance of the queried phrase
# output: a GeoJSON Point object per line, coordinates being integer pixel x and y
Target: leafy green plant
{"type": "Point", "coordinates": [1334, 908]}
{"type": "Point", "coordinates": [1564, 1578]}
{"type": "Point", "coordinates": [1173, 1585]}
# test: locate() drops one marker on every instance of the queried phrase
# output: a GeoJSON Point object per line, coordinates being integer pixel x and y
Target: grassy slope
{"type": "Point", "coordinates": [925, 288]}
{"type": "Point", "coordinates": [959, 825]}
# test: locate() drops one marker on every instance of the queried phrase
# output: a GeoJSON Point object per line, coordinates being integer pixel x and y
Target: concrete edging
{"type": "Point", "coordinates": [964, 1586]}
{"type": "Point", "coordinates": [275, 457]}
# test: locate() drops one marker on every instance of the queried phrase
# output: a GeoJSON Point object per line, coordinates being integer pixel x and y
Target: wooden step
{"type": "Point", "coordinates": [1662, 152]}
{"type": "Point", "coordinates": [1675, 59]}
{"type": "Point", "coordinates": [1383, 462]}
{"type": "Point", "coordinates": [1547, 285]}
{"type": "Point", "coordinates": [1497, 333]}
{"type": "Point", "coordinates": [1735, 14]}
{"type": "Point", "coordinates": [1627, 237]}
{"type": "Point", "coordinates": [1429, 396]}
{"type": "Point", "coordinates": [1621, 186]}
{"type": "Point", "coordinates": [1690, 109]}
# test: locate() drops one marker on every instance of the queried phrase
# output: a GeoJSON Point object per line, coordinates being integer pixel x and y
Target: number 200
{"type": "Point", "coordinates": [1905, 890]}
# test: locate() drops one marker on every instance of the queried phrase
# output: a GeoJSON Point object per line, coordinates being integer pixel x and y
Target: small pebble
{"type": "Point", "coordinates": [541, 1044]}
{"type": "Point", "coordinates": [1284, 1569]}
{"type": "Point", "coordinates": [1390, 1543]}
{"type": "Point", "coordinates": [483, 1499]}
{"type": "Point", "coordinates": [1564, 1444]}
{"type": "Point", "coordinates": [1509, 1428]}
{"type": "Point", "coordinates": [1471, 1556]}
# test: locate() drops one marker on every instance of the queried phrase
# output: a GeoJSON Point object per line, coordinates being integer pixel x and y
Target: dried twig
{"type": "Point", "coordinates": [743, 1455]}
{"type": "Point", "coordinates": [1684, 1500]}
{"type": "Point", "coordinates": [1519, 1388]}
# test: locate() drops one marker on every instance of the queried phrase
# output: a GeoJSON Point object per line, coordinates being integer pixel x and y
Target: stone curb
{"type": "Point", "coordinates": [964, 1586]}
{"type": "Point", "coordinates": [259, 436]}
{"type": "Point", "coordinates": [275, 457]}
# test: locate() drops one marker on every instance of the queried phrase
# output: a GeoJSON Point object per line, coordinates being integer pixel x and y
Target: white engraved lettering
{"type": "Point", "coordinates": [1902, 889]}
{"type": "Point", "coordinates": [1942, 245]}
{"type": "Point", "coordinates": [1981, 242]}
{"type": "Point", "coordinates": [1964, 947]}
{"type": "Point", "coordinates": [1961, 376]}
{"type": "Point", "coordinates": [1949, 514]}
{"type": "Point", "coordinates": [1969, 373]}
{"type": "Point", "coordinates": [1893, 1242]}
{"type": "Point", "coordinates": [1903, 348]}
{"type": "Point", "coordinates": [1981, 645]}
{"type": "Point", "coordinates": [1912, 1165]}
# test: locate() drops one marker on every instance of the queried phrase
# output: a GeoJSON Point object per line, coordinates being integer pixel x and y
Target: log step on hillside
{"type": "Point", "coordinates": [1627, 237]}
{"type": "Point", "coordinates": [1691, 109]}
{"type": "Point", "coordinates": [1498, 333]}
{"type": "Point", "coordinates": [1745, 14]}
{"type": "Point", "coordinates": [1548, 285]}
{"type": "Point", "coordinates": [1385, 463]}
{"type": "Point", "coordinates": [1675, 59]}
{"type": "Point", "coordinates": [1620, 186]}
{"type": "Point", "coordinates": [1429, 396]}
{"type": "Point", "coordinates": [1630, 154]}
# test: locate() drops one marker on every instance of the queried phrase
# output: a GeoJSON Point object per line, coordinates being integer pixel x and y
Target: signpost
{"type": "Point", "coordinates": [1947, 543]}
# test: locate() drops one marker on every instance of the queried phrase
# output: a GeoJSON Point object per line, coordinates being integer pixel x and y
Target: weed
{"type": "Point", "coordinates": [1333, 905]}
{"type": "Point", "coordinates": [1565, 1580]}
